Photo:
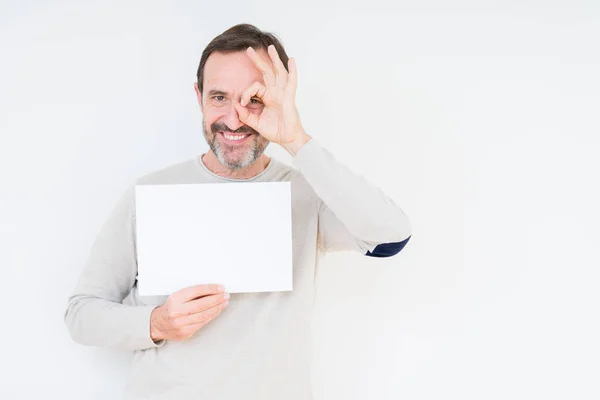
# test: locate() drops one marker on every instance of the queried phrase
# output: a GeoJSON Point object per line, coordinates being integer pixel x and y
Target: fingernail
{"type": "Point", "coordinates": [227, 296]}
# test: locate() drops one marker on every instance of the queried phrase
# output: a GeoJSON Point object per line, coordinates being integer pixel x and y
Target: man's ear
{"type": "Point", "coordinates": [198, 95]}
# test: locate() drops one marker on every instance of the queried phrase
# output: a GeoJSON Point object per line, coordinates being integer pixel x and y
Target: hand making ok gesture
{"type": "Point", "coordinates": [278, 121]}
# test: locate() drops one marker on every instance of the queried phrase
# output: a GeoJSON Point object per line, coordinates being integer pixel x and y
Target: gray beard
{"type": "Point", "coordinates": [256, 149]}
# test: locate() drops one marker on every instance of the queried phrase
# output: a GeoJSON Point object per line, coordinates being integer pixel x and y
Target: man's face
{"type": "Point", "coordinates": [226, 76]}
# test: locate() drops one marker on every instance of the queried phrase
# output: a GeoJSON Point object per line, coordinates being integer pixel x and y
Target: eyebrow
{"type": "Point", "coordinates": [215, 92]}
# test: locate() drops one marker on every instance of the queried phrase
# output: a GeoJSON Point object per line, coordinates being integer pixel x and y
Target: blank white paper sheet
{"type": "Point", "coordinates": [236, 234]}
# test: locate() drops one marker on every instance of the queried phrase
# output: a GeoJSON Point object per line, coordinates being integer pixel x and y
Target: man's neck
{"type": "Point", "coordinates": [214, 165]}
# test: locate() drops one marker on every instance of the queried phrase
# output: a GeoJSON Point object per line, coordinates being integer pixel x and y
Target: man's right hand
{"type": "Point", "coordinates": [186, 311]}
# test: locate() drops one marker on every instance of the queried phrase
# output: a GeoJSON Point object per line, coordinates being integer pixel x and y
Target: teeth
{"type": "Point", "coordinates": [234, 137]}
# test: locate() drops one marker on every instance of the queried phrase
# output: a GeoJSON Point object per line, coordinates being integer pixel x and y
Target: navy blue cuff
{"type": "Point", "coordinates": [388, 249]}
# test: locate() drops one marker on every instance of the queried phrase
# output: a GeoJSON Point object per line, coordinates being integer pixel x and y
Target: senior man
{"type": "Point", "coordinates": [201, 342]}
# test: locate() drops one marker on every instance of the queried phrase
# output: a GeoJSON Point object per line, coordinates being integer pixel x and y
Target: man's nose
{"type": "Point", "coordinates": [232, 119]}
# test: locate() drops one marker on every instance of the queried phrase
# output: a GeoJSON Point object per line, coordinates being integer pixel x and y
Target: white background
{"type": "Point", "coordinates": [480, 119]}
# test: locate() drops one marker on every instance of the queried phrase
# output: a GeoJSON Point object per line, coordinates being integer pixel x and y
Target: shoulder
{"type": "Point", "coordinates": [287, 173]}
{"type": "Point", "coordinates": [301, 190]}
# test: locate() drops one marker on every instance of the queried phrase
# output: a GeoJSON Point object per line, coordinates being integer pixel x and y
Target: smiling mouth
{"type": "Point", "coordinates": [235, 138]}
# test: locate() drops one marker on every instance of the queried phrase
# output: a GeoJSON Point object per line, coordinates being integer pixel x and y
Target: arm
{"type": "Point", "coordinates": [95, 314]}
{"type": "Point", "coordinates": [353, 214]}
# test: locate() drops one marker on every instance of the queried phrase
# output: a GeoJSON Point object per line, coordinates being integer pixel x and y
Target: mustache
{"type": "Point", "coordinates": [219, 127]}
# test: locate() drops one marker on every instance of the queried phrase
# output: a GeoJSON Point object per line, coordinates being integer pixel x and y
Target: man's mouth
{"type": "Point", "coordinates": [234, 138]}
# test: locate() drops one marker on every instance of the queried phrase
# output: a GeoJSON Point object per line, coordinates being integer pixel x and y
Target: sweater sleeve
{"type": "Point", "coordinates": [353, 214]}
{"type": "Point", "coordinates": [95, 313]}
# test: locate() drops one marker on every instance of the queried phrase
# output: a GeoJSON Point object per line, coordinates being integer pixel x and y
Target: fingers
{"type": "Point", "coordinates": [281, 74]}
{"type": "Point", "coordinates": [262, 65]}
{"type": "Point", "coordinates": [256, 89]}
{"type": "Point", "coordinates": [251, 119]}
{"type": "Point", "coordinates": [247, 117]}
{"type": "Point", "coordinates": [186, 327]}
{"type": "Point", "coordinates": [205, 316]}
{"type": "Point", "coordinates": [204, 303]}
{"type": "Point", "coordinates": [293, 76]}
{"type": "Point", "coordinates": [187, 310]}
{"type": "Point", "coordinates": [276, 74]}
{"type": "Point", "coordinates": [194, 292]}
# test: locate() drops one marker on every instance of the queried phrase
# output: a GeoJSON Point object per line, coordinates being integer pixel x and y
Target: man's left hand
{"type": "Point", "coordinates": [278, 121]}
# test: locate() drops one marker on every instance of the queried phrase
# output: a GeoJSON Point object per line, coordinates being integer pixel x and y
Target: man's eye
{"type": "Point", "coordinates": [218, 98]}
{"type": "Point", "coordinates": [255, 100]}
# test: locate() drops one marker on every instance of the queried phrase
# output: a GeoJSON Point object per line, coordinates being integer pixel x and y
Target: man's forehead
{"type": "Point", "coordinates": [231, 70]}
